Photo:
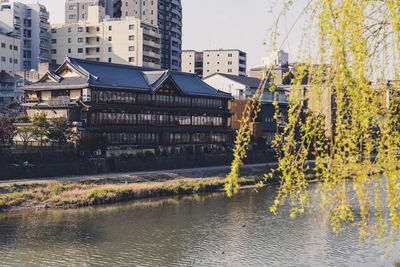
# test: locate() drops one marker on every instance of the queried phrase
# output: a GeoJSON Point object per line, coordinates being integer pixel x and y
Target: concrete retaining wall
{"type": "Point", "coordinates": [51, 164]}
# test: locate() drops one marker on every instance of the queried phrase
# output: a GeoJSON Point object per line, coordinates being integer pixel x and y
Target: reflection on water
{"type": "Point", "coordinates": [205, 230]}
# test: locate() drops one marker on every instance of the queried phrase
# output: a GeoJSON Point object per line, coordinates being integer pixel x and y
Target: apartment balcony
{"type": "Point", "coordinates": [92, 55]}
{"type": "Point", "coordinates": [176, 21]}
{"type": "Point", "coordinates": [44, 25]}
{"type": "Point", "coordinates": [44, 35]}
{"type": "Point", "coordinates": [44, 45]}
{"type": "Point", "coordinates": [151, 54]}
{"type": "Point", "coordinates": [151, 65]}
{"type": "Point", "coordinates": [44, 14]}
{"type": "Point", "coordinates": [151, 43]}
{"type": "Point", "coordinates": [44, 56]}
{"type": "Point", "coordinates": [151, 33]}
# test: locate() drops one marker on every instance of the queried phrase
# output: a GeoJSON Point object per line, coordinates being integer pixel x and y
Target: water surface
{"type": "Point", "coordinates": [205, 230]}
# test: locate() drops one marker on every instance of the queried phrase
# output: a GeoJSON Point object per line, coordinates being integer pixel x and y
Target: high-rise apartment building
{"type": "Point", "coordinates": [100, 38]}
{"type": "Point", "coordinates": [10, 55]}
{"type": "Point", "coordinates": [76, 10]}
{"type": "Point", "coordinates": [167, 15]}
{"type": "Point", "coordinates": [208, 62]}
{"type": "Point", "coordinates": [30, 23]}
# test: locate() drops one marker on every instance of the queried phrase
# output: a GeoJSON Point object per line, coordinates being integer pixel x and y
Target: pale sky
{"type": "Point", "coordinates": [215, 24]}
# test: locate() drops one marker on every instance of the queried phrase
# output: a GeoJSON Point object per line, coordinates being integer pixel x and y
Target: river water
{"type": "Point", "coordinates": [200, 230]}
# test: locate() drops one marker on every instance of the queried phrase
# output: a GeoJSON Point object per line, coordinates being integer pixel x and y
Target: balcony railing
{"type": "Point", "coordinates": [150, 43]}
{"type": "Point", "coordinates": [44, 14]}
{"type": "Point", "coordinates": [44, 45]}
{"type": "Point", "coordinates": [151, 54]}
{"type": "Point", "coordinates": [45, 56]}
{"type": "Point", "coordinates": [45, 35]}
{"type": "Point", "coordinates": [44, 25]}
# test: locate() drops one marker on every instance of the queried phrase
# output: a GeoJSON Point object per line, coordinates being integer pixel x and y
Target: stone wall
{"type": "Point", "coordinates": [51, 164]}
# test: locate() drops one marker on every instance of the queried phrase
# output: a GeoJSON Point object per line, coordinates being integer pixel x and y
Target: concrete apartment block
{"type": "Point", "coordinates": [192, 62]}
{"type": "Point", "coordinates": [145, 10]}
{"type": "Point", "coordinates": [30, 23]}
{"type": "Point", "coordinates": [167, 15]}
{"type": "Point", "coordinates": [76, 10]}
{"type": "Point", "coordinates": [227, 61]}
{"type": "Point", "coordinates": [99, 38]}
{"type": "Point", "coordinates": [10, 55]}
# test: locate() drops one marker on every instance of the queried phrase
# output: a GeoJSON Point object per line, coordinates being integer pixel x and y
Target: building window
{"type": "Point", "coordinates": [80, 40]}
{"type": "Point", "coordinates": [69, 40]}
{"type": "Point", "coordinates": [3, 59]}
{"type": "Point", "coordinates": [229, 55]}
{"type": "Point", "coordinates": [15, 48]}
{"type": "Point", "coordinates": [80, 29]}
{"type": "Point", "coordinates": [131, 37]}
{"type": "Point", "coordinates": [10, 60]}
{"type": "Point", "coordinates": [69, 50]}
{"type": "Point", "coordinates": [109, 60]}
{"type": "Point", "coordinates": [15, 61]}
{"type": "Point", "coordinates": [53, 41]}
{"type": "Point", "coordinates": [11, 47]}
{"type": "Point", "coordinates": [131, 27]}
{"type": "Point", "coordinates": [109, 38]}
{"type": "Point", "coordinates": [72, 16]}
{"type": "Point", "coordinates": [229, 62]}
{"type": "Point", "coordinates": [131, 48]}
{"type": "Point", "coordinates": [110, 28]}
{"type": "Point", "coordinates": [3, 45]}
{"type": "Point", "coordinates": [69, 29]}
{"type": "Point", "coordinates": [53, 51]}
{"type": "Point", "coordinates": [80, 50]}
{"type": "Point", "coordinates": [131, 59]}
{"type": "Point", "coordinates": [229, 70]}
{"type": "Point", "coordinates": [110, 49]}
{"type": "Point", "coordinates": [72, 7]}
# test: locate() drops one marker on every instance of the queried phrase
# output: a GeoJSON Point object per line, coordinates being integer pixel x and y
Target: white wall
{"type": "Point", "coordinates": [226, 85]}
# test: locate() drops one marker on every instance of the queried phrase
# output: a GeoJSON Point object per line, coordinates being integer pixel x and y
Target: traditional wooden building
{"type": "Point", "coordinates": [128, 108]}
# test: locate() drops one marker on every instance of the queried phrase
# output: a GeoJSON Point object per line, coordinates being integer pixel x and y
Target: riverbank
{"type": "Point", "coordinates": [89, 192]}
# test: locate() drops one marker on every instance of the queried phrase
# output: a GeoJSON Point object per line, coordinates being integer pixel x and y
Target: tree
{"type": "Point", "coordinates": [26, 134]}
{"type": "Point", "coordinates": [356, 151]}
{"type": "Point", "coordinates": [41, 127]}
{"type": "Point", "coordinates": [60, 131]}
{"type": "Point", "coordinates": [7, 131]}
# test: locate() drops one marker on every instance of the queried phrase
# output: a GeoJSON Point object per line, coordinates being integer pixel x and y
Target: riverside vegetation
{"type": "Point", "coordinates": [111, 190]}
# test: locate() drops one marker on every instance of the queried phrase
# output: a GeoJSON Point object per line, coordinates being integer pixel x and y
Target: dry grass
{"type": "Point", "coordinates": [100, 192]}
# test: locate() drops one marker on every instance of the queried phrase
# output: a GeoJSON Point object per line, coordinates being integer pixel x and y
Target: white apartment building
{"type": "Point", "coordinates": [145, 10]}
{"type": "Point", "coordinates": [76, 10]}
{"type": "Point", "coordinates": [9, 52]}
{"type": "Point", "coordinates": [30, 23]}
{"type": "Point", "coordinates": [276, 58]}
{"type": "Point", "coordinates": [227, 61]}
{"type": "Point", "coordinates": [100, 38]}
{"type": "Point", "coordinates": [192, 62]}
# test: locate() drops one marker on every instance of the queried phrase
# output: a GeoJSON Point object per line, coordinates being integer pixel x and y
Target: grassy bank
{"type": "Point", "coordinates": [104, 191]}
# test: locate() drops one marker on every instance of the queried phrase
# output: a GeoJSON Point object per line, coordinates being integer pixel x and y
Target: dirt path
{"type": "Point", "coordinates": [195, 173]}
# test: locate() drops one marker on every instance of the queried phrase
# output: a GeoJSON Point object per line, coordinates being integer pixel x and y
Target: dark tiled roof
{"type": "Point", "coordinates": [65, 83]}
{"type": "Point", "coordinates": [190, 84]}
{"type": "Point", "coordinates": [118, 76]}
{"type": "Point", "coordinates": [113, 75]}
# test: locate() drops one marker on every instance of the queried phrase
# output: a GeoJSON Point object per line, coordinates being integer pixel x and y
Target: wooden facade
{"type": "Point", "coordinates": [136, 108]}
